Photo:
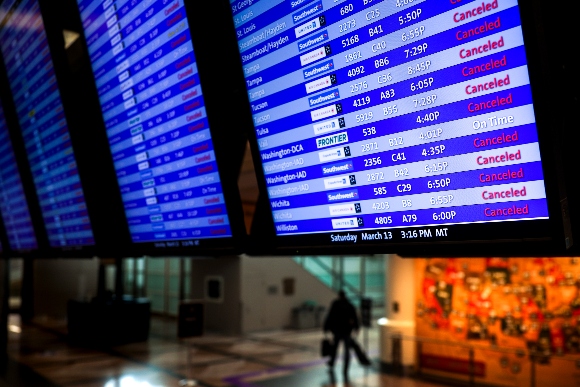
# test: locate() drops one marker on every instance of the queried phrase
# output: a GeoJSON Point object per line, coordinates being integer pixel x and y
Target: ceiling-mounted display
{"type": "Point", "coordinates": [156, 121]}
{"type": "Point", "coordinates": [13, 204]}
{"type": "Point", "coordinates": [393, 122]}
{"type": "Point", "coordinates": [44, 128]}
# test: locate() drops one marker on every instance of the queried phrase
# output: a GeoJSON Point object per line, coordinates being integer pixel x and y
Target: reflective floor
{"type": "Point", "coordinates": [39, 356]}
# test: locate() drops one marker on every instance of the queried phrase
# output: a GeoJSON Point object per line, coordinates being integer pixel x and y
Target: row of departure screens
{"type": "Point", "coordinates": [369, 117]}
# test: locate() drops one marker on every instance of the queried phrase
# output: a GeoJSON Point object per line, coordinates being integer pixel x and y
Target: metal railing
{"type": "Point", "coordinates": [471, 371]}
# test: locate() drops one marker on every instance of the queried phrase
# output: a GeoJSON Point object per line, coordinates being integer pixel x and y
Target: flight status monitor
{"type": "Point", "coordinates": [24, 46]}
{"type": "Point", "coordinates": [393, 121]}
{"type": "Point", "coordinates": [13, 204]}
{"type": "Point", "coordinates": [157, 126]}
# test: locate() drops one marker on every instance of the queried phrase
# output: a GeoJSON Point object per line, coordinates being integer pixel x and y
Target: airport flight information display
{"type": "Point", "coordinates": [43, 124]}
{"type": "Point", "coordinates": [13, 205]}
{"type": "Point", "coordinates": [374, 118]}
{"type": "Point", "coordinates": [151, 99]}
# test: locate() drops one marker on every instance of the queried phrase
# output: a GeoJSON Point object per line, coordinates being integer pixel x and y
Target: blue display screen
{"type": "Point", "coordinates": [377, 115]}
{"type": "Point", "coordinates": [13, 205]}
{"type": "Point", "coordinates": [27, 56]}
{"type": "Point", "coordinates": [151, 100]}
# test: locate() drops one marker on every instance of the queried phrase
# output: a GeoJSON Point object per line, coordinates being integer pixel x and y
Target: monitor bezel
{"type": "Point", "coordinates": [555, 236]}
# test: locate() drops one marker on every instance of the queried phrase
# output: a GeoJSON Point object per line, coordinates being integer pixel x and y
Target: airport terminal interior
{"type": "Point", "coordinates": [433, 322]}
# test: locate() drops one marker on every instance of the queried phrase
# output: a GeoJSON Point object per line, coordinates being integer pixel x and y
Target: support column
{"type": "Point", "coordinates": [399, 310]}
{"type": "Point", "coordinates": [4, 294]}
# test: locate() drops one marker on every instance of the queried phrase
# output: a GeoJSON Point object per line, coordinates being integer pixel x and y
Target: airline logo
{"type": "Point", "coordinates": [345, 209]}
{"type": "Point", "coordinates": [154, 210]}
{"type": "Point", "coordinates": [324, 97]}
{"type": "Point", "coordinates": [347, 223]}
{"type": "Point", "coordinates": [334, 154]}
{"type": "Point", "coordinates": [148, 183]}
{"type": "Point", "coordinates": [318, 69]}
{"type": "Point", "coordinates": [307, 12]}
{"type": "Point", "coordinates": [156, 218]}
{"type": "Point", "coordinates": [151, 201]}
{"type": "Point", "coordinates": [149, 192]}
{"type": "Point", "coordinates": [341, 196]}
{"type": "Point", "coordinates": [124, 76]}
{"type": "Point", "coordinates": [320, 84]}
{"type": "Point", "coordinates": [310, 26]}
{"type": "Point", "coordinates": [298, 3]}
{"type": "Point", "coordinates": [122, 67]}
{"type": "Point", "coordinates": [329, 126]}
{"type": "Point", "coordinates": [130, 103]}
{"type": "Point", "coordinates": [111, 21]}
{"type": "Point", "coordinates": [110, 11]}
{"type": "Point", "coordinates": [325, 112]}
{"type": "Point", "coordinates": [146, 174]}
{"type": "Point", "coordinates": [313, 41]}
{"type": "Point", "coordinates": [127, 94]}
{"type": "Point", "coordinates": [346, 166]}
{"type": "Point", "coordinates": [134, 121]}
{"type": "Point", "coordinates": [339, 181]}
{"type": "Point", "coordinates": [136, 130]}
{"type": "Point", "coordinates": [137, 139]}
{"type": "Point", "coordinates": [114, 30]}
{"type": "Point", "coordinates": [118, 48]}
{"type": "Point", "coordinates": [125, 85]}
{"type": "Point", "coordinates": [313, 56]}
{"type": "Point", "coordinates": [334, 139]}
{"type": "Point", "coordinates": [116, 39]}
{"type": "Point", "coordinates": [141, 157]}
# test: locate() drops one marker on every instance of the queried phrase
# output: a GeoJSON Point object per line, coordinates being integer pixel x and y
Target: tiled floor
{"type": "Point", "coordinates": [40, 357]}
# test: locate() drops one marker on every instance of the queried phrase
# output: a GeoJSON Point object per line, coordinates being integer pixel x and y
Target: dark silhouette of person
{"type": "Point", "coordinates": [341, 321]}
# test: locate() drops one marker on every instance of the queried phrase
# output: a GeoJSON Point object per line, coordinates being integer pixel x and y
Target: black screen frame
{"type": "Point", "coordinates": [23, 167]}
{"type": "Point", "coordinates": [4, 241]}
{"type": "Point", "coordinates": [10, 115]}
{"type": "Point", "coordinates": [25, 177]}
{"type": "Point", "coordinates": [95, 170]}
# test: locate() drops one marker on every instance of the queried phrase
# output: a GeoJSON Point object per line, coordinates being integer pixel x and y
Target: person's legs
{"type": "Point", "coordinates": [334, 350]}
{"type": "Point", "coordinates": [347, 344]}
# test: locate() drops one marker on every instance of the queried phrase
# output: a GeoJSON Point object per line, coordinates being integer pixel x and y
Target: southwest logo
{"type": "Point", "coordinates": [337, 168]}
{"type": "Point", "coordinates": [307, 12]}
{"type": "Point", "coordinates": [318, 69]}
{"type": "Point", "coordinates": [313, 41]}
{"type": "Point", "coordinates": [324, 97]}
{"type": "Point", "coordinates": [340, 196]}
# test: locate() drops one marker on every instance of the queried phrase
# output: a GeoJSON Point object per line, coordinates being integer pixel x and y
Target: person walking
{"type": "Point", "coordinates": [341, 321]}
